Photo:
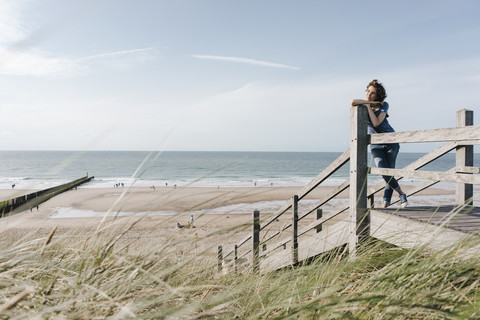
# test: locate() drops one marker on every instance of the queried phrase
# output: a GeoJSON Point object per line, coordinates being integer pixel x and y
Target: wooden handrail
{"type": "Point", "coordinates": [470, 134]}
{"type": "Point", "coordinates": [421, 162]}
{"type": "Point", "coordinates": [429, 175]}
{"type": "Point", "coordinates": [325, 174]}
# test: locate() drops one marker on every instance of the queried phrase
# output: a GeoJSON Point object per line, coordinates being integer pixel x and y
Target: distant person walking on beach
{"type": "Point", "coordinates": [384, 155]}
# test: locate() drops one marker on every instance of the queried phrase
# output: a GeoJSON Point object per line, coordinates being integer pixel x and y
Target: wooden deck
{"type": "Point", "coordinates": [464, 219]}
{"type": "Point", "coordinates": [433, 228]}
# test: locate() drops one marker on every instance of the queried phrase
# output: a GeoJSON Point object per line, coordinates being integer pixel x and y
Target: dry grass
{"type": "Point", "coordinates": [102, 275]}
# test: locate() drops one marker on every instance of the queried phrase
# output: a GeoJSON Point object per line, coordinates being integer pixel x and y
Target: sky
{"type": "Point", "coordinates": [224, 75]}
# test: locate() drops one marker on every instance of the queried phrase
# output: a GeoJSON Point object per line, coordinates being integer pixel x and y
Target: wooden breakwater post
{"type": "Point", "coordinates": [359, 215]}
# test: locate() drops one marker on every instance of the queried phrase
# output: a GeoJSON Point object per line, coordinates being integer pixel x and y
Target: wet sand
{"type": "Point", "coordinates": [227, 228]}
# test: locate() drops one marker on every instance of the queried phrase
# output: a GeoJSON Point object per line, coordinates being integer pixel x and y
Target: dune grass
{"type": "Point", "coordinates": [103, 275]}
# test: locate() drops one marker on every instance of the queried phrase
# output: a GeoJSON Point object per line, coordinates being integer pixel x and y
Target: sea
{"type": "Point", "coordinates": [34, 170]}
{"type": "Point", "coordinates": [44, 169]}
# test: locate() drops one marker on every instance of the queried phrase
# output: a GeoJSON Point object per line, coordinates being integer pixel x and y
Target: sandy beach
{"type": "Point", "coordinates": [160, 210]}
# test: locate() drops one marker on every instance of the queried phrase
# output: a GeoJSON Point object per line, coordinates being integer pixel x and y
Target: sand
{"type": "Point", "coordinates": [213, 229]}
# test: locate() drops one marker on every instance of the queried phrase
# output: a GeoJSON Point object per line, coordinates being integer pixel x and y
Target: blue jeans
{"type": "Point", "coordinates": [385, 156]}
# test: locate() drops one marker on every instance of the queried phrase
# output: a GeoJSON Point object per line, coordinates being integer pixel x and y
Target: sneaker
{"type": "Point", "coordinates": [403, 200]}
{"type": "Point", "coordinates": [386, 204]}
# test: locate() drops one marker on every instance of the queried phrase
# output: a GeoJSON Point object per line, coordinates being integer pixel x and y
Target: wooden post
{"type": "Point", "coordinates": [295, 230]}
{"type": "Point", "coordinates": [319, 216]}
{"type": "Point", "coordinates": [220, 258]}
{"type": "Point", "coordinates": [256, 240]}
{"type": "Point", "coordinates": [359, 216]}
{"type": "Point", "coordinates": [464, 158]}
{"type": "Point", "coordinates": [371, 201]}
{"type": "Point", "coordinates": [236, 257]}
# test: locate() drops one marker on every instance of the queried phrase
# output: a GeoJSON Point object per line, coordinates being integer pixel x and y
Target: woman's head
{"type": "Point", "coordinates": [376, 91]}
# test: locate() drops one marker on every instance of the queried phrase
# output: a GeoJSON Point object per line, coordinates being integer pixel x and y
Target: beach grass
{"type": "Point", "coordinates": [106, 275]}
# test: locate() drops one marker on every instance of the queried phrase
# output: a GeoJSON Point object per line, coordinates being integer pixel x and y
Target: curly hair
{"type": "Point", "coordinates": [381, 93]}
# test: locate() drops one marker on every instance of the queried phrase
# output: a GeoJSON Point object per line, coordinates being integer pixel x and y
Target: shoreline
{"type": "Point", "coordinates": [206, 204]}
{"type": "Point", "coordinates": [169, 201]}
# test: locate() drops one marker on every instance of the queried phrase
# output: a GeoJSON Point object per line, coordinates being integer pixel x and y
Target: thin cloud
{"type": "Point", "coordinates": [37, 64]}
{"type": "Point", "coordinates": [11, 28]}
{"type": "Point", "coordinates": [245, 61]}
{"type": "Point", "coordinates": [41, 64]}
{"type": "Point", "coordinates": [115, 54]}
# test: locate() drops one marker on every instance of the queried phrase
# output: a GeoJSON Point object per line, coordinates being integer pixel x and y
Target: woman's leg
{"type": "Point", "coordinates": [392, 152]}
{"type": "Point", "coordinates": [384, 158]}
{"type": "Point", "coordinates": [392, 158]}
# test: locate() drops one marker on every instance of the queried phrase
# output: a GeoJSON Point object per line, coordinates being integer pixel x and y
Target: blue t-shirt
{"type": "Point", "coordinates": [382, 127]}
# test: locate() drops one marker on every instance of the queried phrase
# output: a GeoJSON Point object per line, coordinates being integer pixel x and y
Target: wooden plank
{"type": "Point", "coordinates": [436, 217]}
{"type": "Point", "coordinates": [408, 233]}
{"type": "Point", "coordinates": [325, 174]}
{"type": "Point", "coordinates": [319, 216]}
{"type": "Point", "coordinates": [335, 192]}
{"type": "Point", "coordinates": [311, 226]}
{"type": "Point", "coordinates": [417, 164]}
{"type": "Point", "coordinates": [256, 240]}
{"type": "Point", "coordinates": [464, 158]}
{"type": "Point", "coordinates": [471, 133]}
{"type": "Point", "coordinates": [358, 176]}
{"type": "Point", "coordinates": [428, 175]}
{"type": "Point", "coordinates": [236, 258]}
{"type": "Point", "coordinates": [220, 259]}
{"type": "Point", "coordinates": [467, 142]}
{"type": "Point", "coordinates": [295, 230]}
{"type": "Point", "coordinates": [284, 208]}
{"type": "Point", "coordinates": [465, 223]}
{"type": "Point", "coordinates": [472, 170]}
{"type": "Point", "coordinates": [433, 155]}
{"type": "Point", "coordinates": [465, 219]}
{"type": "Point", "coordinates": [423, 186]}
{"type": "Point", "coordinates": [332, 236]}
{"type": "Point", "coordinates": [469, 229]}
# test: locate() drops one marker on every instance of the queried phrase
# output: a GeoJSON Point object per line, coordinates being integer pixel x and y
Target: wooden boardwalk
{"type": "Point", "coordinates": [430, 227]}
{"type": "Point", "coordinates": [464, 218]}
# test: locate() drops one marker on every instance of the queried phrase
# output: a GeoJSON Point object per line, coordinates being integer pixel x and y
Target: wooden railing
{"type": "Point", "coordinates": [460, 138]}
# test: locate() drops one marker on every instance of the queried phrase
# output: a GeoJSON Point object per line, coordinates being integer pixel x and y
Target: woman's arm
{"type": "Point", "coordinates": [356, 102]}
{"type": "Point", "coordinates": [376, 121]}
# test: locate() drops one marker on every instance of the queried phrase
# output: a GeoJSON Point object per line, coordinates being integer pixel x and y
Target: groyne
{"type": "Point", "coordinates": [32, 200]}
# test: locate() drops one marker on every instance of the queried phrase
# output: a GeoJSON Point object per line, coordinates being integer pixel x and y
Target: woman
{"type": "Point", "coordinates": [384, 155]}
